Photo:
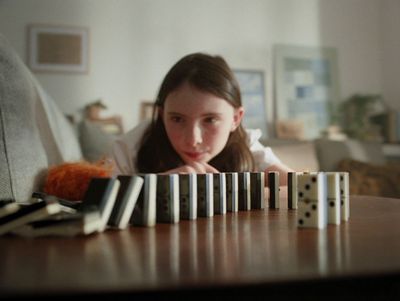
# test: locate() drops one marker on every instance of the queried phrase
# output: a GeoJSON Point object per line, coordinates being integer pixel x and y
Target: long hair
{"type": "Point", "coordinates": [209, 74]}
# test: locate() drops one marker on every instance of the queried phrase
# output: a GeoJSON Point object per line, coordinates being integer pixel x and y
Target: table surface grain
{"type": "Point", "coordinates": [257, 247]}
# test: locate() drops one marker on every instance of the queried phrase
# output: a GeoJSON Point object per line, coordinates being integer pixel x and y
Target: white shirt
{"type": "Point", "coordinates": [124, 150]}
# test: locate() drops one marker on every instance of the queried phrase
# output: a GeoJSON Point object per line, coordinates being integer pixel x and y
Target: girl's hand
{"type": "Point", "coordinates": [193, 167]}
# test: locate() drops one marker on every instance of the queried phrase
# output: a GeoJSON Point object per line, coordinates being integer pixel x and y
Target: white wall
{"type": "Point", "coordinates": [391, 52]}
{"type": "Point", "coordinates": [135, 42]}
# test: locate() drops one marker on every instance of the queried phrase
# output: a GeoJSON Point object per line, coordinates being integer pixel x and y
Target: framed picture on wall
{"type": "Point", "coordinates": [252, 88]}
{"type": "Point", "coordinates": [146, 110]}
{"type": "Point", "coordinates": [306, 86]}
{"type": "Point", "coordinates": [54, 48]}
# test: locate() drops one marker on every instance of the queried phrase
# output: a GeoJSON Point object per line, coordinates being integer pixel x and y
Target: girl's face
{"type": "Point", "coordinates": [198, 123]}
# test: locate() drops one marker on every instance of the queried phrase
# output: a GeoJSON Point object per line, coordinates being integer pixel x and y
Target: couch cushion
{"type": "Point", "coordinates": [331, 152]}
{"type": "Point", "coordinates": [55, 128]}
{"type": "Point", "coordinates": [21, 152]}
{"type": "Point", "coordinates": [28, 143]}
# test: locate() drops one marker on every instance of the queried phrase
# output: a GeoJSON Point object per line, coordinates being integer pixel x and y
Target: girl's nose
{"type": "Point", "coordinates": [194, 135]}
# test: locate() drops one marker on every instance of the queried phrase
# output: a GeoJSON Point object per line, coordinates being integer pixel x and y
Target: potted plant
{"type": "Point", "coordinates": [355, 116]}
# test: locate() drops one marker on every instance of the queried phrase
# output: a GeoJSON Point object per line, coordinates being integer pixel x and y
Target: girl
{"type": "Point", "coordinates": [196, 126]}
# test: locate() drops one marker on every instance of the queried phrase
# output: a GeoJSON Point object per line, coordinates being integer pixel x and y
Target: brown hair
{"type": "Point", "coordinates": [210, 74]}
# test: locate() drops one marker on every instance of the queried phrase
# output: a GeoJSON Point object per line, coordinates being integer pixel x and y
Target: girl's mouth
{"type": "Point", "coordinates": [194, 155]}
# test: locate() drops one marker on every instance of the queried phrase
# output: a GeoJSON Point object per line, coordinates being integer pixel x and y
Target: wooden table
{"type": "Point", "coordinates": [234, 255]}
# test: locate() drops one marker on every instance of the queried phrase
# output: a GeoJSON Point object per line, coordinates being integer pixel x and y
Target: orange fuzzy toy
{"type": "Point", "coordinates": [70, 180]}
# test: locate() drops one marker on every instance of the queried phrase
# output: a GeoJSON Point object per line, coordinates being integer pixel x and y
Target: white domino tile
{"type": "Point", "coordinates": [333, 197]}
{"type": "Point", "coordinates": [292, 190]}
{"type": "Point", "coordinates": [219, 193]}
{"type": "Point", "coordinates": [232, 191]}
{"type": "Point", "coordinates": [205, 195]}
{"type": "Point", "coordinates": [257, 190]}
{"type": "Point", "coordinates": [344, 196]}
{"type": "Point", "coordinates": [188, 196]}
{"type": "Point", "coordinates": [167, 198]}
{"type": "Point", "coordinates": [312, 209]}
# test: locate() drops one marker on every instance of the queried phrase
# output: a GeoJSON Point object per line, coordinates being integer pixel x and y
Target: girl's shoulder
{"type": "Point", "coordinates": [253, 136]}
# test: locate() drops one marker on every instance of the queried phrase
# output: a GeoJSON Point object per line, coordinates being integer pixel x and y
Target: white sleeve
{"type": "Point", "coordinates": [124, 150]}
{"type": "Point", "coordinates": [263, 155]}
{"type": "Point", "coordinates": [123, 158]}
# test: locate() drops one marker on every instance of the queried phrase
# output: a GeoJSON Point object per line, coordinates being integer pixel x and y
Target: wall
{"type": "Point", "coordinates": [390, 40]}
{"type": "Point", "coordinates": [135, 42]}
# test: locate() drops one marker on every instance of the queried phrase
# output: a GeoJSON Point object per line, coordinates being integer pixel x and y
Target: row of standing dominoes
{"type": "Point", "coordinates": [170, 198]}
{"type": "Point", "coordinates": [145, 199]}
{"type": "Point", "coordinates": [321, 197]}
{"type": "Point", "coordinates": [140, 200]}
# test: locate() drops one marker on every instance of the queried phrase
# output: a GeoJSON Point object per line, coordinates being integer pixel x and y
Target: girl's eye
{"type": "Point", "coordinates": [176, 119]}
{"type": "Point", "coordinates": [211, 120]}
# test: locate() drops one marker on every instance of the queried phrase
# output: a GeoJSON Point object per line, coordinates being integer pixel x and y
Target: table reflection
{"type": "Point", "coordinates": [254, 245]}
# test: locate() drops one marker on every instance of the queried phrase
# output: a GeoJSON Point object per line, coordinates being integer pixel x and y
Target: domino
{"type": "Point", "coordinates": [8, 207]}
{"type": "Point", "coordinates": [101, 194]}
{"type": "Point", "coordinates": [244, 191]}
{"type": "Point", "coordinates": [188, 196]}
{"type": "Point", "coordinates": [66, 205]}
{"type": "Point", "coordinates": [312, 206]}
{"type": "Point", "coordinates": [333, 197]}
{"type": "Point", "coordinates": [257, 190]}
{"type": "Point", "coordinates": [63, 224]}
{"type": "Point", "coordinates": [292, 190]}
{"type": "Point", "coordinates": [28, 213]}
{"type": "Point", "coordinates": [344, 196]}
{"type": "Point", "coordinates": [144, 212]}
{"type": "Point", "coordinates": [232, 191]}
{"type": "Point", "coordinates": [6, 201]}
{"type": "Point", "coordinates": [144, 199]}
{"type": "Point", "coordinates": [167, 202]}
{"type": "Point", "coordinates": [125, 202]}
{"type": "Point", "coordinates": [273, 184]}
{"type": "Point", "coordinates": [205, 195]}
{"type": "Point", "coordinates": [219, 183]}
